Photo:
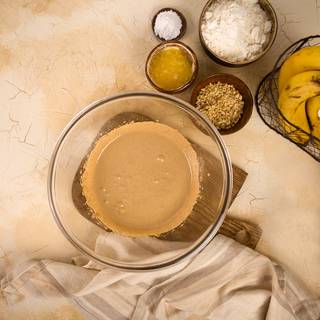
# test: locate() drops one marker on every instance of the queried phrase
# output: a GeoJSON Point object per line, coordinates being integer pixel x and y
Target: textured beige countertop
{"type": "Point", "coordinates": [57, 56]}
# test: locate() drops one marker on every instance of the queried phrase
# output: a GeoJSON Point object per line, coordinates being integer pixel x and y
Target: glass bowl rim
{"type": "Point", "coordinates": [190, 251]}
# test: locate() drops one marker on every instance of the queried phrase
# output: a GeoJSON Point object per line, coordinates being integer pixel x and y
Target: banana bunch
{"type": "Point", "coordinates": [299, 94]}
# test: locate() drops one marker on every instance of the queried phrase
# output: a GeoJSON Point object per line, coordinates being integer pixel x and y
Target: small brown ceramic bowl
{"type": "Point", "coordinates": [183, 20]}
{"type": "Point", "coordinates": [191, 55]}
{"type": "Point", "coordinates": [243, 90]}
{"type": "Point", "coordinates": [267, 7]}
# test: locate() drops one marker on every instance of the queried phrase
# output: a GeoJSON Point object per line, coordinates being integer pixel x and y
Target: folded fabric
{"type": "Point", "coordinates": [225, 281]}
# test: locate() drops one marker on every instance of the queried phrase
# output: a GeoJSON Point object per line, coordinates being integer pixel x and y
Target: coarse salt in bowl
{"type": "Point", "coordinates": [169, 24]}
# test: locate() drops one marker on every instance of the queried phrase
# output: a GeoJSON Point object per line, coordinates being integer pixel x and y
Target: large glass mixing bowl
{"type": "Point", "coordinates": [87, 235]}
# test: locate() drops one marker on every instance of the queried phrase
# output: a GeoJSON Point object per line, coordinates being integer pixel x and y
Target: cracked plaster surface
{"type": "Point", "coordinates": [57, 56]}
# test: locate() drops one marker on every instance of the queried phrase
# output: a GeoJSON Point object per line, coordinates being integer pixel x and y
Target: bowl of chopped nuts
{"type": "Point", "coordinates": [225, 100]}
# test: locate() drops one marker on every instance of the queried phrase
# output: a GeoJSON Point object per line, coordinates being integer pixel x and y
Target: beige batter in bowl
{"type": "Point", "coordinates": [134, 167]}
{"type": "Point", "coordinates": [207, 196]}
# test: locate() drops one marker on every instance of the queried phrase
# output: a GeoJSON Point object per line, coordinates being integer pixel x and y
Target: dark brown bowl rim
{"type": "Point", "coordinates": [194, 59]}
{"type": "Point", "coordinates": [247, 109]}
{"type": "Point", "coordinates": [221, 61]}
{"type": "Point", "coordinates": [183, 21]}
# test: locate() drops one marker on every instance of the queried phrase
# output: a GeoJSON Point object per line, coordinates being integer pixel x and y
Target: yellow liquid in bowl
{"type": "Point", "coordinates": [171, 68]}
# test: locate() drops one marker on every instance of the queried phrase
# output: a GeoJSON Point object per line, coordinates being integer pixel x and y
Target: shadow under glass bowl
{"type": "Point", "coordinates": [267, 7]}
{"type": "Point", "coordinates": [78, 138]}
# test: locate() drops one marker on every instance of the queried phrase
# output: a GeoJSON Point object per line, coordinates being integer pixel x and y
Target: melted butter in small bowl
{"type": "Point", "coordinates": [171, 67]}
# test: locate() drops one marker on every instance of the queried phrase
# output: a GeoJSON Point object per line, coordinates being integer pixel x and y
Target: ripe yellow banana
{"type": "Point", "coordinates": [306, 59]}
{"type": "Point", "coordinates": [313, 112]}
{"type": "Point", "coordinates": [292, 103]}
{"type": "Point", "coordinates": [298, 118]}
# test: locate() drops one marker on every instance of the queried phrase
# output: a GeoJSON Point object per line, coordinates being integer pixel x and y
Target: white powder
{"type": "Point", "coordinates": [168, 25]}
{"type": "Point", "coordinates": [236, 30]}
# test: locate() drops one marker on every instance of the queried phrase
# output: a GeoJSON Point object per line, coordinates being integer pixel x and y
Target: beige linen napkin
{"type": "Point", "coordinates": [225, 281]}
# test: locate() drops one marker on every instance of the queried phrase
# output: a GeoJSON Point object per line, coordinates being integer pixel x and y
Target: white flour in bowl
{"type": "Point", "coordinates": [236, 30]}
